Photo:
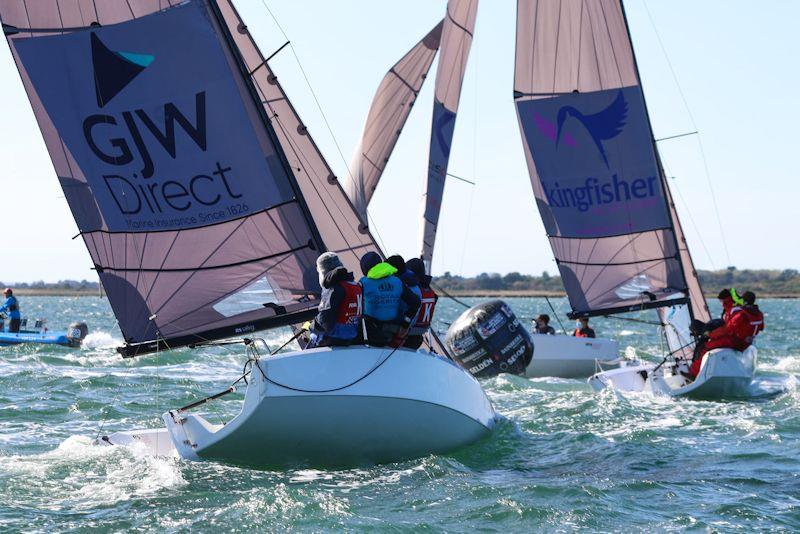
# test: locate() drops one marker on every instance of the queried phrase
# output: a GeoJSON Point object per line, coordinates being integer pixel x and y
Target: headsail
{"type": "Point", "coordinates": [459, 25]}
{"type": "Point", "coordinates": [592, 160]}
{"type": "Point", "coordinates": [387, 115]}
{"type": "Point", "coordinates": [200, 195]}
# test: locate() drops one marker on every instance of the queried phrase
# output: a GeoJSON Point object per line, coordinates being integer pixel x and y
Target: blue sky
{"type": "Point", "coordinates": [735, 62]}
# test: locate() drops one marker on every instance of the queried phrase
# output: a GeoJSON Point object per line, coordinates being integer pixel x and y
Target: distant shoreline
{"type": "Point", "coordinates": [54, 292]}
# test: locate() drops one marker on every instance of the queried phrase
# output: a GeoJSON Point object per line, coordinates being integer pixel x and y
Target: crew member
{"type": "Point", "coordinates": [742, 322]}
{"type": "Point", "coordinates": [422, 321]}
{"type": "Point", "coordinates": [541, 325]}
{"type": "Point", "coordinates": [583, 329]}
{"type": "Point", "coordinates": [11, 306]}
{"type": "Point", "coordinates": [389, 305]}
{"type": "Point", "coordinates": [338, 320]}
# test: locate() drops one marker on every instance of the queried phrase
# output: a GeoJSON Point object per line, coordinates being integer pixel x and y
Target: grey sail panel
{"type": "Point", "coordinates": [591, 158]}
{"type": "Point", "coordinates": [193, 220]}
{"type": "Point", "coordinates": [387, 115]}
{"type": "Point", "coordinates": [459, 26]}
{"type": "Point", "coordinates": [340, 227]}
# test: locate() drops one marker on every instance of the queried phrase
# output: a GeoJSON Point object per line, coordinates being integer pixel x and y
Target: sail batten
{"type": "Point", "coordinates": [202, 212]}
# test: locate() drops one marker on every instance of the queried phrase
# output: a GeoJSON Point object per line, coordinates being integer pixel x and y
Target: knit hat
{"type": "Point", "coordinates": [397, 262]}
{"type": "Point", "coordinates": [327, 262]}
{"type": "Point", "coordinates": [417, 266]}
{"type": "Point", "coordinates": [369, 260]}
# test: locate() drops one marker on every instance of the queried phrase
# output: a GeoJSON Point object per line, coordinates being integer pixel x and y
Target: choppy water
{"type": "Point", "coordinates": [564, 459]}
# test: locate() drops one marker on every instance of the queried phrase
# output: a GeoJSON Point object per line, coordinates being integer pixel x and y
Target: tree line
{"type": "Point", "coordinates": [784, 282]}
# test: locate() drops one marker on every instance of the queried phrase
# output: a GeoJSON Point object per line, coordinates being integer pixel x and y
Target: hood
{"type": "Point", "coordinates": [339, 274]}
{"type": "Point", "coordinates": [410, 279]}
{"type": "Point", "coordinates": [382, 270]}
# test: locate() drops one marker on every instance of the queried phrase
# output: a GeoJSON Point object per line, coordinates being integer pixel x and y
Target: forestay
{"type": "Point", "coordinates": [201, 197]}
{"type": "Point", "coordinates": [459, 25]}
{"type": "Point", "coordinates": [388, 113]}
{"type": "Point", "coordinates": [592, 159]}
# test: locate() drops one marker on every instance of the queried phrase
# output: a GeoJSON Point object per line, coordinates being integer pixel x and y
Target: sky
{"type": "Point", "coordinates": [727, 69]}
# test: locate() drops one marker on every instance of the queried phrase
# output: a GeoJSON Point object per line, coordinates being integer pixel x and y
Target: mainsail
{"type": "Point", "coordinates": [594, 167]}
{"type": "Point", "coordinates": [200, 195]}
{"type": "Point", "coordinates": [459, 25]}
{"type": "Point", "coordinates": [387, 115]}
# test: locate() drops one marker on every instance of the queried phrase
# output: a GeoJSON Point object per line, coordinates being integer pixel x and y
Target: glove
{"type": "Point", "coordinates": [306, 326]}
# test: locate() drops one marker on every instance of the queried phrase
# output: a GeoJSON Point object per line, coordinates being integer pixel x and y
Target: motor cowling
{"type": "Point", "coordinates": [488, 339]}
{"type": "Point", "coordinates": [76, 333]}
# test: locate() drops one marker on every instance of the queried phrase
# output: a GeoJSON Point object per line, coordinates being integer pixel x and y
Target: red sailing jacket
{"type": "Point", "coordinates": [742, 326]}
{"type": "Point", "coordinates": [422, 322]}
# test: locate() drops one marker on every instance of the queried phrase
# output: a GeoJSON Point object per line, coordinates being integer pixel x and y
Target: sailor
{"type": "Point", "coordinates": [428, 298]}
{"type": "Point", "coordinates": [735, 332]}
{"type": "Point", "coordinates": [338, 320]}
{"type": "Point", "coordinates": [389, 305]}
{"type": "Point", "coordinates": [11, 306]}
{"type": "Point", "coordinates": [583, 329]}
{"type": "Point", "coordinates": [541, 325]}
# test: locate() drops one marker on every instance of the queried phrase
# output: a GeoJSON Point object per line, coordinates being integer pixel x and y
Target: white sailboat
{"type": "Point", "coordinates": [560, 356]}
{"type": "Point", "coordinates": [602, 192]}
{"type": "Point", "coordinates": [204, 202]}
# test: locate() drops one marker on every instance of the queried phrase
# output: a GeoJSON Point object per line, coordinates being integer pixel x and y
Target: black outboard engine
{"type": "Point", "coordinates": [488, 339]}
{"type": "Point", "coordinates": [76, 334]}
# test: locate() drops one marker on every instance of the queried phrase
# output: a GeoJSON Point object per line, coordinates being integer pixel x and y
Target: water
{"type": "Point", "coordinates": [564, 458]}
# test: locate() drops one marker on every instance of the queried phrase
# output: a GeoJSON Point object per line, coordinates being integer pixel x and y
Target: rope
{"type": "Point", "coordinates": [694, 125]}
{"type": "Point", "coordinates": [451, 297]}
{"type": "Point", "coordinates": [301, 390]}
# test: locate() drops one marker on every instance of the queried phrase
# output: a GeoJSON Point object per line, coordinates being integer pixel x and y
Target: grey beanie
{"type": "Point", "coordinates": [327, 262]}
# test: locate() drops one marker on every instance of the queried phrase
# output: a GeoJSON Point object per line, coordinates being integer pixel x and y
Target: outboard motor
{"type": "Point", "coordinates": [488, 339]}
{"type": "Point", "coordinates": [76, 334]}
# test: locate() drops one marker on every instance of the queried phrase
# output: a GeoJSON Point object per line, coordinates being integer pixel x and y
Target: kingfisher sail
{"type": "Point", "coordinates": [387, 115]}
{"type": "Point", "coordinates": [593, 163]}
{"type": "Point", "coordinates": [198, 191]}
{"type": "Point", "coordinates": [459, 25]}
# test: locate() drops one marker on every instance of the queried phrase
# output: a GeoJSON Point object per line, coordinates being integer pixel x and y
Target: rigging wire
{"type": "Point", "coordinates": [694, 125]}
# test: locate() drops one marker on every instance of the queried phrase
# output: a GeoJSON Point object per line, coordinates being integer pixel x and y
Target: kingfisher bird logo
{"type": "Point", "coordinates": [604, 125]}
{"type": "Point", "coordinates": [113, 71]}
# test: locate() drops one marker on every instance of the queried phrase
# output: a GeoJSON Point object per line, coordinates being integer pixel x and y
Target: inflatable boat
{"type": "Point", "coordinates": [724, 373]}
{"type": "Point", "coordinates": [71, 337]}
{"type": "Point", "coordinates": [327, 406]}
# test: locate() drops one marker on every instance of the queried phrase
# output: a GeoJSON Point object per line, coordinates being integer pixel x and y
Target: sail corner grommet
{"type": "Point", "coordinates": [242, 28]}
{"type": "Point", "coordinates": [332, 179]}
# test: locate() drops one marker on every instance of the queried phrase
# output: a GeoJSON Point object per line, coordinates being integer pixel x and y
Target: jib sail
{"type": "Point", "coordinates": [387, 115]}
{"type": "Point", "coordinates": [459, 25]}
{"type": "Point", "coordinates": [200, 195]}
{"type": "Point", "coordinates": [593, 163]}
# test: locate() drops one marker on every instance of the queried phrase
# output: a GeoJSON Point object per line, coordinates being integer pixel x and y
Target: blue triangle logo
{"type": "Point", "coordinates": [113, 71]}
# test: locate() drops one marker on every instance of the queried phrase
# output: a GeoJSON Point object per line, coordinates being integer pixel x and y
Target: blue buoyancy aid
{"type": "Point", "coordinates": [382, 293]}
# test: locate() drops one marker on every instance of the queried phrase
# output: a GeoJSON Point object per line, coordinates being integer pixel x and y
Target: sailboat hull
{"type": "Point", "coordinates": [571, 357]}
{"type": "Point", "coordinates": [341, 407]}
{"type": "Point", "coordinates": [724, 374]}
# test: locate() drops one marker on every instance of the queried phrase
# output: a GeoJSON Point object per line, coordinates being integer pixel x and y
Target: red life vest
{"type": "Point", "coordinates": [422, 321]}
{"type": "Point", "coordinates": [348, 316]}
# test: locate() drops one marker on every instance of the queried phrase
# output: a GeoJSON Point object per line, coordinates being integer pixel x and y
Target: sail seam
{"type": "Point", "coordinates": [100, 268]}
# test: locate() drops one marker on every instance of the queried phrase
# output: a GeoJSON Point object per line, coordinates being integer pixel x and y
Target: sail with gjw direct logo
{"type": "Point", "coordinates": [387, 115]}
{"type": "Point", "coordinates": [593, 163]}
{"type": "Point", "coordinates": [459, 26]}
{"type": "Point", "coordinates": [198, 192]}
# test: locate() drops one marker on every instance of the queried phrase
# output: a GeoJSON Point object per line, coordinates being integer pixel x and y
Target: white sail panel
{"type": "Point", "coordinates": [388, 113]}
{"type": "Point", "coordinates": [459, 26]}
